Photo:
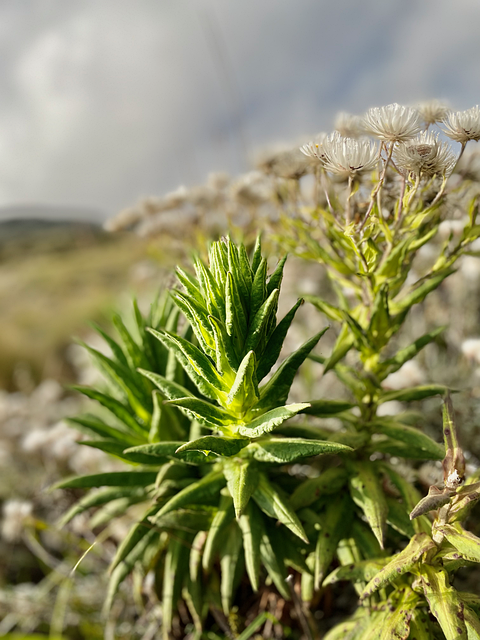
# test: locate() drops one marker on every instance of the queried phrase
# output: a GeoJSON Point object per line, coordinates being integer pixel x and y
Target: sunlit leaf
{"type": "Point", "coordinates": [285, 450]}
{"type": "Point", "coordinates": [221, 445]}
{"type": "Point", "coordinates": [252, 527]}
{"type": "Point", "coordinates": [230, 557]}
{"type": "Point", "coordinates": [203, 489]}
{"type": "Point", "coordinates": [368, 494]}
{"type": "Point", "coordinates": [466, 542]}
{"type": "Point", "coordinates": [221, 520]}
{"type": "Point", "coordinates": [110, 479]}
{"type": "Point", "coordinates": [276, 506]}
{"type": "Point", "coordinates": [444, 602]}
{"type": "Point", "coordinates": [400, 563]}
{"type": "Point", "coordinates": [335, 522]}
{"type": "Point", "coordinates": [242, 480]}
{"type": "Point", "coordinates": [397, 624]}
{"type": "Point", "coordinates": [268, 421]}
{"type": "Point", "coordinates": [411, 437]}
{"type": "Point", "coordinates": [276, 390]}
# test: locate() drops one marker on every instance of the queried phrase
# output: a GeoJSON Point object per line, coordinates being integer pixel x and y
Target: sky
{"type": "Point", "coordinates": [103, 102]}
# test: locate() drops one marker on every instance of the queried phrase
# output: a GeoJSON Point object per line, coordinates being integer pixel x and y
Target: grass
{"type": "Point", "coordinates": [47, 297]}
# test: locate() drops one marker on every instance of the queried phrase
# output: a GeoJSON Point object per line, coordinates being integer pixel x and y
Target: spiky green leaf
{"type": "Point", "coordinates": [242, 480]}
{"type": "Point", "coordinates": [269, 420]}
{"type": "Point", "coordinates": [203, 489]}
{"type": "Point", "coordinates": [330, 481]}
{"type": "Point", "coordinates": [286, 450]}
{"type": "Point", "coordinates": [276, 390]}
{"type": "Point", "coordinates": [274, 504]}
{"type": "Point", "coordinates": [221, 445]}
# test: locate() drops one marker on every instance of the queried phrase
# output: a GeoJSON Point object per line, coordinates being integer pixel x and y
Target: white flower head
{"type": "Point", "coordinates": [347, 157]}
{"type": "Point", "coordinates": [433, 111]}
{"type": "Point", "coordinates": [313, 149]}
{"type": "Point", "coordinates": [425, 156]}
{"type": "Point", "coordinates": [349, 126]}
{"type": "Point", "coordinates": [471, 349]}
{"type": "Point", "coordinates": [463, 126]}
{"type": "Point", "coordinates": [393, 123]}
{"type": "Point", "coordinates": [15, 515]}
{"type": "Point", "coordinates": [285, 163]}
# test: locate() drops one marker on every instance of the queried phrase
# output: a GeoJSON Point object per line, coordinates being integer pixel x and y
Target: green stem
{"type": "Point", "coordinates": [377, 187]}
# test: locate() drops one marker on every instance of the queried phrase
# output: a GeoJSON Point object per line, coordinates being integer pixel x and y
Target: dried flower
{"type": "Point", "coordinates": [348, 125]}
{"type": "Point", "coordinates": [15, 513]}
{"type": "Point", "coordinates": [425, 156]}
{"type": "Point", "coordinates": [313, 149]}
{"type": "Point", "coordinates": [218, 180]}
{"type": "Point", "coordinates": [393, 123]}
{"type": "Point", "coordinates": [347, 157]}
{"type": "Point", "coordinates": [252, 189]}
{"type": "Point", "coordinates": [463, 126]}
{"type": "Point", "coordinates": [285, 163]}
{"type": "Point", "coordinates": [432, 111]}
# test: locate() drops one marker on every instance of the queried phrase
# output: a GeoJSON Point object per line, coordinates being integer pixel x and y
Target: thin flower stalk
{"type": "Point", "coordinates": [377, 187]}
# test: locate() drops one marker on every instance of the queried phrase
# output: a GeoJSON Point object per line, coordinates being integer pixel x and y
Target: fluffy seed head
{"type": "Point", "coordinates": [393, 123]}
{"type": "Point", "coordinates": [313, 149]}
{"type": "Point", "coordinates": [425, 156]}
{"type": "Point", "coordinates": [463, 126]}
{"type": "Point", "coordinates": [349, 126]}
{"type": "Point", "coordinates": [432, 111]}
{"type": "Point", "coordinates": [285, 163]}
{"type": "Point", "coordinates": [347, 157]}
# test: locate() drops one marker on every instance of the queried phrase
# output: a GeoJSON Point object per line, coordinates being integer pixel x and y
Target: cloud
{"type": "Point", "coordinates": [104, 102]}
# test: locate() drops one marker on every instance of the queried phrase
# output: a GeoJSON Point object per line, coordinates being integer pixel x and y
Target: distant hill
{"type": "Point", "coordinates": [20, 235]}
{"type": "Point", "coordinates": [52, 213]}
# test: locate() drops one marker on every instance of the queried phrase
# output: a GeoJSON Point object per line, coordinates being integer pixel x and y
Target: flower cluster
{"type": "Point", "coordinates": [389, 148]}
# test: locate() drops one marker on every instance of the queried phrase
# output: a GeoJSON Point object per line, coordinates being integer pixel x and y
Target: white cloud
{"type": "Point", "coordinates": [105, 102]}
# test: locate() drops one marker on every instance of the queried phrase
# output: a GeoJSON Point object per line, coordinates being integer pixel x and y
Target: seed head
{"type": "Point", "coordinates": [432, 111]}
{"type": "Point", "coordinates": [425, 156]}
{"type": "Point", "coordinates": [313, 149]}
{"type": "Point", "coordinates": [349, 126]}
{"type": "Point", "coordinates": [15, 514]}
{"type": "Point", "coordinates": [463, 126]}
{"type": "Point", "coordinates": [285, 163]}
{"type": "Point", "coordinates": [347, 157]}
{"type": "Point", "coordinates": [393, 123]}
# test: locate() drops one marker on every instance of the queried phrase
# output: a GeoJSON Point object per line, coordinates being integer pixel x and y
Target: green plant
{"type": "Point", "coordinates": [217, 493]}
{"type": "Point", "coordinates": [210, 441]}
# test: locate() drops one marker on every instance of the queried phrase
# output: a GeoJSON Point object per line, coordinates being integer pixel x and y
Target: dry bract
{"type": "Point", "coordinates": [348, 125]}
{"type": "Point", "coordinates": [463, 126]}
{"type": "Point", "coordinates": [347, 157]}
{"type": "Point", "coordinates": [285, 163]}
{"type": "Point", "coordinates": [393, 123]}
{"type": "Point", "coordinates": [253, 188]}
{"type": "Point", "coordinates": [432, 111]}
{"type": "Point", "coordinates": [425, 156]}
